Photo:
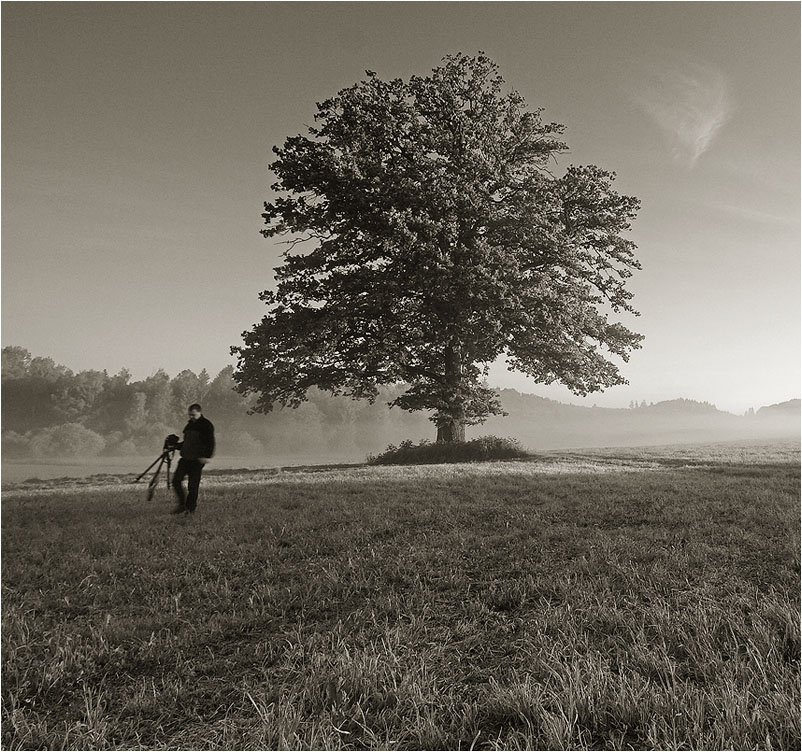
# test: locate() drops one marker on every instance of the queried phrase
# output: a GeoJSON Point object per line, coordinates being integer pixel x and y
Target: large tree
{"type": "Point", "coordinates": [428, 234]}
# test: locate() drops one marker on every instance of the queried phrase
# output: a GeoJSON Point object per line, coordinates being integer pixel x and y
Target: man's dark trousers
{"type": "Point", "coordinates": [190, 469]}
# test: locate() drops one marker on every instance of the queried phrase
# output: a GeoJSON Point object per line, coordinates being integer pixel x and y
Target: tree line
{"type": "Point", "coordinates": [50, 411]}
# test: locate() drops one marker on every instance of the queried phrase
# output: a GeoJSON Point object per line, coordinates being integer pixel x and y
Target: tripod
{"type": "Point", "coordinates": [165, 457]}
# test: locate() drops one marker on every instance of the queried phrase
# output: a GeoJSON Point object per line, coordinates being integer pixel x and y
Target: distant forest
{"type": "Point", "coordinates": [50, 412]}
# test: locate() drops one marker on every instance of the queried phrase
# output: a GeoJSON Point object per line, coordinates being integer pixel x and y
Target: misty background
{"type": "Point", "coordinates": [57, 422]}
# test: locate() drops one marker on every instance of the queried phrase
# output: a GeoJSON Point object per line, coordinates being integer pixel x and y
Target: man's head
{"type": "Point", "coordinates": [194, 412]}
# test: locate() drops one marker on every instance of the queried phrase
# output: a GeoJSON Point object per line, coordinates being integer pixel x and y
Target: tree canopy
{"type": "Point", "coordinates": [428, 234]}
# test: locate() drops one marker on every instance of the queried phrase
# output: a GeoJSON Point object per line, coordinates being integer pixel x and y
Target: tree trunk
{"type": "Point", "coordinates": [450, 431]}
{"type": "Point", "coordinates": [451, 422]}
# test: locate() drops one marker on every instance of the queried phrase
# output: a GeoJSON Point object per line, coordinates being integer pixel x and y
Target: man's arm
{"type": "Point", "coordinates": [209, 441]}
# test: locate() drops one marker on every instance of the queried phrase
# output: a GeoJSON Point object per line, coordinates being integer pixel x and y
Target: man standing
{"type": "Point", "coordinates": [196, 450]}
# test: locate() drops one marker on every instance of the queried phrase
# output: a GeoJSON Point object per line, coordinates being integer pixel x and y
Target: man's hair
{"type": "Point", "coordinates": [195, 406]}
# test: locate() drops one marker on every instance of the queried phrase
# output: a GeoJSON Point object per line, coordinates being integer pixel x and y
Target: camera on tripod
{"type": "Point", "coordinates": [171, 443]}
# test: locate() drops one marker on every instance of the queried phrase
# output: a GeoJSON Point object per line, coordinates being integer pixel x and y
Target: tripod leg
{"type": "Point", "coordinates": [155, 479]}
{"type": "Point", "coordinates": [148, 468]}
{"type": "Point", "coordinates": [169, 460]}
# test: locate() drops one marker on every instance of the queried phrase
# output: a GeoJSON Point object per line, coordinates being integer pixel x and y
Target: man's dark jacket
{"type": "Point", "coordinates": [198, 439]}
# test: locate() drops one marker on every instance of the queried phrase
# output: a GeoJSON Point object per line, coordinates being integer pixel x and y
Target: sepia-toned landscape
{"type": "Point", "coordinates": [400, 376]}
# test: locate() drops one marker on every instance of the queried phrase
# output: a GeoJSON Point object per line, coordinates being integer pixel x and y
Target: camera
{"type": "Point", "coordinates": [171, 443]}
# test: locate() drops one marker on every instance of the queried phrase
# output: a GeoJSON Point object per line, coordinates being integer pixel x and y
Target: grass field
{"type": "Point", "coordinates": [644, 599]}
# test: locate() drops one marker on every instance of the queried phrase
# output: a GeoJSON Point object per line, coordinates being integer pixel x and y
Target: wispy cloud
{"type": "Point", "coordinates": [755, 215]}
{"type": "Point", "coordinates": [688, 100]}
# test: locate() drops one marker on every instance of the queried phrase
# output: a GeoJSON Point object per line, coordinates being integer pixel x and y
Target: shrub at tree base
{"type": "Point", "coordinates": [426, 453]}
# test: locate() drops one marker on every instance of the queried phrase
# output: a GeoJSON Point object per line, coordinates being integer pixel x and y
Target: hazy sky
{"type": "Point", "coordinates": [136, 138]}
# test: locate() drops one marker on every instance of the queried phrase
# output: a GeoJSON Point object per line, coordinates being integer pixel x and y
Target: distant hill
{"type": "Point", "coordinates": [790, 409]}
{"type": "Point", "coordinates": [684, 407]}
{"type": "Point", "coordinates": [541, 423]}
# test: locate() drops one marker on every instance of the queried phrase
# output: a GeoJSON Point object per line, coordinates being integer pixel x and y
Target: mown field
{"type": "Point", "coordinates": [590, 600]}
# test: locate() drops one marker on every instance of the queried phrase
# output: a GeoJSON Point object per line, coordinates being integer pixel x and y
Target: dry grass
{"type": "Point", "coordinates": [575, 601]}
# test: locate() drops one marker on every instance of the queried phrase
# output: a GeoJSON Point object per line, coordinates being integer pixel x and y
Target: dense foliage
{"type": "Point", "coordinates": [428, 237]}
